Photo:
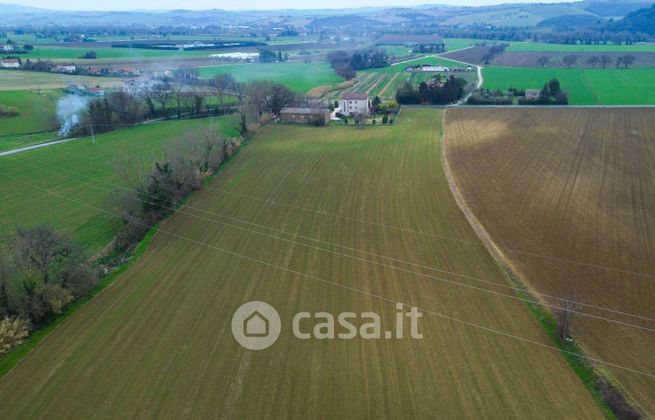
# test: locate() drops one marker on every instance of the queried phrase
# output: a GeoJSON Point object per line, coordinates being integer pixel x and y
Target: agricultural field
{"type": "Point", "coordinates": [396, 50]}
{"type": "Point", "coordinates": [11, 80]}
{"type": "Point", "coordinates": [35, 108]}
{"type": "Point", "coordinates": [299, 77]}
{"type": "Point", "coordinates": [158, 341]}
{"type": "Point", "coordinates": [400, 67]}
{"type": "Point", "coordinates": [555, 59]}
{"type": "Point", "coordinates": [568, 198]}
{"type": "Point", "coordinates": [573, 48]}
{"type": "Point", "coordinates": [459, 43]}
{"type": "Point", "coordinates": [613, 86]}
{"type": "Point", "coordinates": [68, 168]}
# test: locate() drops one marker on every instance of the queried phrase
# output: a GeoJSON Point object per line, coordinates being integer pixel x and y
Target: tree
{"type": "Point", "coordinates": [267, 56]}
{"type": "Point", "coordinates": [162, 94]}
{"type": "Point", "coordinates": [593, 61]}
{"type": "Point", "coordinates": [162, 192]}
{"type": "Point", "coordinates": [543, 60]}
{"type": "Point", "coordinates": [278, 96]}
{"type": "Point", "coordinates": [225, 84]}
{"type": "Point", "coordinates": [570, 59]}
{"type": "Point", "coordinates": [375, 104]}
{"type": "Point", "coordinates": [178, 93]}
{"type": "Point", "coordinates": [625, 60]}
{"type": "Point", "coordinates": [605, 60]}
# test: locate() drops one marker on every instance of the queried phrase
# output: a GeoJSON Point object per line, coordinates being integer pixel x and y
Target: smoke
{"type": "Point", "coordinates": [69, 109]}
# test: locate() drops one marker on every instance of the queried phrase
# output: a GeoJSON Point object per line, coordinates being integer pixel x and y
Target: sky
{"type": "Point", "coordinates": [244, 4]}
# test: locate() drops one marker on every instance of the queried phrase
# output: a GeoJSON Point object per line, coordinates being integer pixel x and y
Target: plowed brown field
{"type": "Point", "coordinates": [569, 197]}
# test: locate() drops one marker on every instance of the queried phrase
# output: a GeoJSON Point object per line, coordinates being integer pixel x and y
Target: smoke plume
{"type": "Point", "coordinates": [69, 109]}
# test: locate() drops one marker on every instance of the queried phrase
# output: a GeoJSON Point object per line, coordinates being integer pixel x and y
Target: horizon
{"type": "Point", "coordinates": [253, 5]}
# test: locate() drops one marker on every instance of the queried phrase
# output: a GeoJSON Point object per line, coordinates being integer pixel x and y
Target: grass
{"type": "Point", "coordinates": [538, 46]}
{"type": "Point", "coordinates": [609, 86]}
{"type": "Point", "coordinates": [34, 112]}
{"type": "Point", "coordinates": [11, 80]}
{"type": "Point", "coordinates": [459, 43]}
{"type": "Point", "coordinates": [299, 77]}
{"type": "Point", "coordinates": [396, 50]}
{"type": "Point", "coordinates": [433, 60]}
{"type": "Point", "coordinates": [158, 342]}
{"type": "Point", "coordinates": [575, 186]}
{"type": "Point", "coordinates": [134, 147]}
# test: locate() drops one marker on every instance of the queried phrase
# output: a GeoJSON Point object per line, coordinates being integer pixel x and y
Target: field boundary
{"type": "Point", "coordinates": [589, 374]}
{"type": "Point", "coordinates": [12, 359]}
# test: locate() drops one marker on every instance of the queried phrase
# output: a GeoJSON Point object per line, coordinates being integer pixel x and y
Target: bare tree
{"type": "Point", "coordinates": [162, 94]}
{"type": "Point", "coordinates": [570, 59]}
{"type": "Point", "coordinates": [179, 94]}
{"type": "Point", "coordinates": [543, 60]}
{"type": "Point", "coordinates": [605, 60]}
{"type": "Point", "coordinates": [625, 60]}
{"type": "Point", "coordinates": [593, 61]}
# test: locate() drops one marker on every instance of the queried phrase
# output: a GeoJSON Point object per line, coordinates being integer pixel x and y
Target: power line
{"type": "Point", "coordinates": [319, 279]}
{"type": "Point", "coordinates": [187, 206]}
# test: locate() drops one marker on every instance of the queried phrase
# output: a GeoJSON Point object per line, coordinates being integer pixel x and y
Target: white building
{"type": "Point", "coordinates": [136, 86]}
{"type": "Point", "coordinates": [354, 104]}
{"type": "Point", "coordinates": [532, 94]}
{"type": "Point", "coordinates": [68, 68]}
{"type": "Point", "coordinates": [7, 48]}
{"type": "Point", "coordinates": [10, 63]}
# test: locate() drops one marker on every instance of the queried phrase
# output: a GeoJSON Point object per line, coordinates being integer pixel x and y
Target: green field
{"type": "Point", "coordinates": [585, 86]}
{"type": "Point", "coordinates": [87, 162]}
{"type": "Point", "coordinates": [400, 67]}
{"type": "Point", "coordinates": [396, 50]}
{"type": "Point", "coordinates": [539, 46]}
{"type": "Point", "coordinates": [299, 77]}
{"type": "Point", "coordinates": [34, 112]}
{"type": "Point", "coordinates": [28, 80]}
{"type": "Point", "coordinates": [459, 43]}
{"type": "Point", "coordinates": [321, 219]}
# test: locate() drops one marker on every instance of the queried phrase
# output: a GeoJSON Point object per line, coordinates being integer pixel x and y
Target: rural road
{"type": "Point", "coordinates": [36, 146]}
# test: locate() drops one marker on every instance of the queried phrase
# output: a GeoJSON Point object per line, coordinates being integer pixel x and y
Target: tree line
{"type": "Point", "coordinates": [595, 60]}
{"type": "Point", "coordinates": [347, 63]}
{"type": "Point", "coordinates": [435, 93]}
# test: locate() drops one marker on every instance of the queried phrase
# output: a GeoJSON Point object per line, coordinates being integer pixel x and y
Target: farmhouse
{"type": "Point", "coordinates": [305, 115]}
{"type": "Point", "coordinates": [136, 86]}
{"type": "Point", "coordinates": [8, 48]}
{"type": "Point", "coordinates": [64, 68]}
{"type": "Point", "coordinates": [532, 94]}
{"type": "Point", "coordinates": [128, 72]}
{"type": "Point", "coordinates": [354, 104]}
{"type": "Point", "coordinates": [10, 63]}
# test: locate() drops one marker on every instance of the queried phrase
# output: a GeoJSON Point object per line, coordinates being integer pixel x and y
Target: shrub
{"type": "Point", "coordinates": [13, 332]}
{"type": "Point", "coordinates": [8, 111]}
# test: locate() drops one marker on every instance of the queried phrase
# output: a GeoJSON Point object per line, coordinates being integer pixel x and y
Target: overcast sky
{"type": "Point", "coordinates": [242, 4]}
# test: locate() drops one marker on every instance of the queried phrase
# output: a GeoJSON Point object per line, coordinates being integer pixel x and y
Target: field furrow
{"type": "Point", "coordinates": [330, 219]}
{"type": "Point", "coordinates": [568, 196]}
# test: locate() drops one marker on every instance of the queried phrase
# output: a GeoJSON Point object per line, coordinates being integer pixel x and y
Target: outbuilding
{"type": "Point", "coordinates": [318, 116]}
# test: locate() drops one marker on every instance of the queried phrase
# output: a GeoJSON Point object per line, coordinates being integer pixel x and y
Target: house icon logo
{"type": "Point", "coordinates": [256, 325]}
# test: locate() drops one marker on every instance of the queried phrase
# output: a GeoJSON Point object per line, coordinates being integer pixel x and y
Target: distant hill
{"type": "Point", "coordinates": [642, 20]}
